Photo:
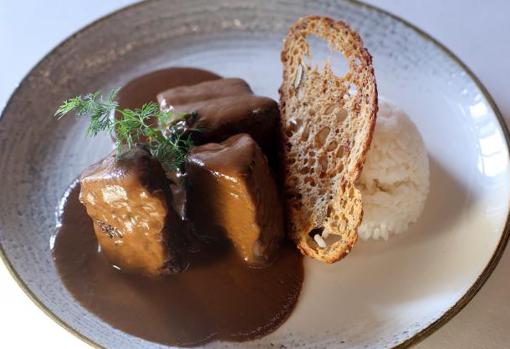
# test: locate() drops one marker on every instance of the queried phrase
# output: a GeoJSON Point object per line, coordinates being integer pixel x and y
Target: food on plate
{"type": "Point", "coordinates": [232, 184]}
{"type": "Point", "coordinates": [220, 199]}
{"type": "Point", "coordinates": [218, 297]}
{"type": "Point", "coordinates": [327, 124]}
{"type": "Point", "coordinates": [125, 197]}
{"type": "Point", "coordinates": [394, 183]}
{"type": "Point", "coordinates": [189, 220]}
{"type": "Point", "coordinates": [223, 108]}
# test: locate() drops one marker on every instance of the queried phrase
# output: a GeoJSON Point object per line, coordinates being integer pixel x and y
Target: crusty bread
{"type": "Point", "coordinates": [327, 126]}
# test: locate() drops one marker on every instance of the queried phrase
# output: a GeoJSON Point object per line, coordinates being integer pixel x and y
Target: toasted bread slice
{"type": "Point", "coordinates": [327, 126]}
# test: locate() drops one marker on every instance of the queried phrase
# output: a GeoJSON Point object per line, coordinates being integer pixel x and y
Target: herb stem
{"type": "Point", "coordinates": [165, 141]}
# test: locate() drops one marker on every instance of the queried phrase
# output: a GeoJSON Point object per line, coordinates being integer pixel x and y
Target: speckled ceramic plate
{"type": "Point", "coordinates": [385, 294]}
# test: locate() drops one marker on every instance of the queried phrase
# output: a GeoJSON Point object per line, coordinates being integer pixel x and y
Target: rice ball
{"type": "Point", "coordinates": [395, 179]}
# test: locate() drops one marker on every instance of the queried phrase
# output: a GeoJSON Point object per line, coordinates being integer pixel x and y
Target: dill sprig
{"type": "Point", "coordinates": [161, 132]}
{"type": "Point", "coordinates": [92, 105]}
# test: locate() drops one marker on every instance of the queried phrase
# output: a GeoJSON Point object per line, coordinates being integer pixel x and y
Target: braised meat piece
{"type": "Point", "coordinates": [126, 198]}
{"type": "Point", "coordinates": [232, 192]}
{"type": "Point", "coordinates": [226, 107]}
{"type": "Point", "coordinates": [202, 92]}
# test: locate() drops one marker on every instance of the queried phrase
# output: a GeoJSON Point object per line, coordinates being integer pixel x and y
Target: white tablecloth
{"type": "Point", "coordinates": [477, 31]}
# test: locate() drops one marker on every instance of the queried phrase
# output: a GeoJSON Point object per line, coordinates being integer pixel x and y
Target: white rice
{"type": "Point", "coordinates": [395, 179]}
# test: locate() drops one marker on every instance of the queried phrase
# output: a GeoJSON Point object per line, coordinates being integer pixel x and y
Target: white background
{"type": "Point", "coordinates": [477, 31]}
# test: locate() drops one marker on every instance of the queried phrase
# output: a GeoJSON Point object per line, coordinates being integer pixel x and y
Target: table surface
{"type": "Point", "coordinates": [477, 31]}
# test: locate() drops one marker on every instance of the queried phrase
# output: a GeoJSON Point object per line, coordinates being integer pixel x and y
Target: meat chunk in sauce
{"type": "Point", "coordinates": [127, 201]}
{"type": "Point", "coordinates": [202, 92]}
{"type": "Point", "coordinates": [226, 107]}
{"type": "Point", "coordinates": [232, 192]}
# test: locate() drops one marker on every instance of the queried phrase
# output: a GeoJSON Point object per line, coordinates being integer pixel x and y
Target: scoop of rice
{"type": "Point", "coordinates": [395, 179]}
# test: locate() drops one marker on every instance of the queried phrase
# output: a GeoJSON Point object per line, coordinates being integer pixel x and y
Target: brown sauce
{"type": "Point", "coordinates": [146, 87]}
{"type": "Point", "coordinates": [218, 298]}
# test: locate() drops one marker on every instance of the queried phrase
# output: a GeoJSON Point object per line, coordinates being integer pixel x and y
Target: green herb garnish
{"type": "Point", "coordinates": [161, 132]}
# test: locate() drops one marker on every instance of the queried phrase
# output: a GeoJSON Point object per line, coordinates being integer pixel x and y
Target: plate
{"type": "Point", "coordinates": [385, 294]}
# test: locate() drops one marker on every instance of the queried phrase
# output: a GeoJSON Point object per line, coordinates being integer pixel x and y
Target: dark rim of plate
{"type": "Point", "coordinates": [419, 336]}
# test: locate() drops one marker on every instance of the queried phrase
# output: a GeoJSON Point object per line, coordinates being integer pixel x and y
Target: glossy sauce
{"type": "Point", "coordinates": [145, 88]}
{"type": "Point", "coordinates": [218, 298]}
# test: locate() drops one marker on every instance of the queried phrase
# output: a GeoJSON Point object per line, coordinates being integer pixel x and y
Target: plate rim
{"type": "Point", "coordinates": [418, 336]}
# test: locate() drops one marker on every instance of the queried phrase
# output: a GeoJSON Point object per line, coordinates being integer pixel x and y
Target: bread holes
{"type": "Point", "coordinates": [300, 93]}
{"type": "Point", "coordinates": [310, 180]}
{"type": "Point", "coordinates": [321, 136]}
{"type": "Point", "coordinates": [342, 150]}
{"type": "Point", "coordinates": [322, 238]}
{"type": "Point", "coordinates": [329, 109]}
{"type": "Point", "coordinates": [298, 76]}
{"type": "Point", "coordinates": [323, 163]}
{"type": "Point", "coordinates": [305, 134]}
{"type": "Point", "coordinates": [316, 235]}
{"type": "Point", "coordinates": [329, 211]}
{"type": "Point", "coordinates": [321, 55]}
{"type": "Point", "coordinates": [295, 125]}
{"type": "Point", "coordinates": [341, 115]}
{"type": "Point", "coordinates": [292, 183]}
{"type": "Point", "coordinates": [351, 90]}
{"type": "Point", "coordinates": [304, 170]}
{"type": "Point", "coordinates": [332, 146]}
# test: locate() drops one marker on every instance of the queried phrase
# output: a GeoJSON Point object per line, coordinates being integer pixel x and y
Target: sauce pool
{"type": "Point", "coordinates": [218, 298]}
